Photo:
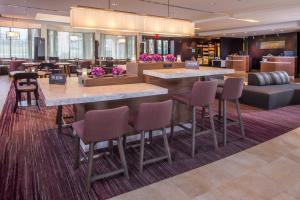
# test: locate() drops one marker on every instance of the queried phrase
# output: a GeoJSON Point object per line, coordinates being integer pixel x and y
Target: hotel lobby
{"type": "Point", "coordinates": [150, 99]}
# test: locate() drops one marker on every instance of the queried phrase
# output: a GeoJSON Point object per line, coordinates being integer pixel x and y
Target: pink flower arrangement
{"type": "Point", "coordinates": [156, 57]}
{"type": "Point", "coordinates": [150, 57]}
{"type": "Point", "coordinates": [117, 71]}
{"type": "Point", "coordinates": [97, 71]}
{"type": "Point", "coordinates": [170, 58]}
{"type": "Point", "coordinates": [145, 57]}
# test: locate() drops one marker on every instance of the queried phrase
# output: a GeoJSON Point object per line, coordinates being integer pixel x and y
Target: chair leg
{"type": "Point", "coordinates": [193, 131]}
{"type": "Point", "coordinates": [142, 151]}
{"type": "Point", "coordinates": [203, 117]}
{"type": "Point", "coordinates": [240, 117]}
{"type": "Point", "coordinates": [17, 102]}
{"type": "Point", "coordinates": [111, 147]}
{"type": "Point", "coordinates": [125, 142]}
{"type": "Point", "coordinates": [77, 153]}
{"type": "Point", "coordinates": [122, 157]}
{"type": "Point", "coordinates": [150, 137]}
{"type": "Point", "coordinates": [36, 95]}
{"type": "Point", "coordinates": [173, 121]}
{"type": "Point", "coordinates": [211, 119]}
{"type": "Point", "coordinates": [167, 148]}
{"type": "Point", "coordinates": [90, 167]}
{"type": "Point", "coordinates": [225, 121]}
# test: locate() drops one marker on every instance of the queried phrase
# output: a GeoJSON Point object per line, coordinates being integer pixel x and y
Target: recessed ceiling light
{"type": "Point", "coordinates": [212, 3]}
{"type": "Point", "coordinates": [197, 28]}
{"type": "Point", "coordinates": [114, 4]}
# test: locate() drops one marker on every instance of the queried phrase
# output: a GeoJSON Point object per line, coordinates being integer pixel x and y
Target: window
{"type": "Point", "coordinates": [151, 46]}
{"type": "Point", "coordinates": [165, 47]}
{"type": "Point", "coordinates": [22, 47]}
{"type": "Point", "coordinates": [68, 45]}
{"type": "Point", "coordinates": [159, 46]}
{"type": "Point", "coordinates": [117, 46]}
{"type": "Point", "coordinates": [172, 47]}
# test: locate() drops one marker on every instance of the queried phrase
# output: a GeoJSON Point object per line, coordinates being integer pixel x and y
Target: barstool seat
{"type": "Point", "coordinates": [97, 126]}
{"type": "Point", "coordinates": [231, 91]}
{"type": "Point", "coordinates": [150, 117]}
{"type": "Point", "coordinates": [202, 95]}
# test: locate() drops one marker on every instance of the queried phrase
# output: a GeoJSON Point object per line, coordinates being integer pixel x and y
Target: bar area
{"type": "Point", "coordinates": [149, 100]}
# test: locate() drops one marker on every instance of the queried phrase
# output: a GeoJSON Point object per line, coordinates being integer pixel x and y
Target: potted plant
{"type": "Point", "coordinates": [170, 58]}
{"type": "Point", "coordinates": [97, 71]}
{"type": "Point", "coordinates": [118, 71]}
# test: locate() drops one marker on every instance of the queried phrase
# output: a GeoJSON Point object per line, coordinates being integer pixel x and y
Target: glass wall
{"type": "Point", "coordinates": [118, 46]}
{"type": "Point", "coordinates": [69, 45]}
{"type": "Point", "coordinates": [20, 47]}
{"type": "Point", "coordinates": [162, 46]}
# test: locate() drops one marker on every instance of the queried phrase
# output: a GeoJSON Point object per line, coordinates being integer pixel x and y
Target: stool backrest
{"type": "Point", "coordinates": [102, 125]}
{"type": "Point", "coordinates": [233, 88]}
{"type": "Point", "coordinates": [154, 116]}
{"type": "Point", "coordinates": [204, 92]}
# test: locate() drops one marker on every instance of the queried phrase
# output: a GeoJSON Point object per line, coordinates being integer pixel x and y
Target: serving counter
{"type": "Point", "coordinates": [279, 63]}
{"type": "Point", "coordinates": [238, 63]}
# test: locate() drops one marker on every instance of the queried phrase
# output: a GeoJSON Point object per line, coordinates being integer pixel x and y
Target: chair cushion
{"type": "Point", "coordinates": [78, 128]}
{"type": "Point", "coordinates": [280, 77]}
{"type": "Point", "coordinates": [260, 79]}
{"type": "Point", "coordinates": [184, 98]}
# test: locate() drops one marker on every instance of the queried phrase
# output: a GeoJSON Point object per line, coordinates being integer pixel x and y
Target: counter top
{"type": "Point", "coordinates": [277, 62]}
{"type": "Point", "coordinates": [279, 56]}
{"type": "Point", "coordinates": [187, 73]}
{"type": "Point", "coordinates": [74, 93]}
{"type": "Point", "coordinates": [236, 60]}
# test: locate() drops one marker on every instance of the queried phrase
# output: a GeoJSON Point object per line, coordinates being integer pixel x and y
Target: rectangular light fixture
{"type": "Point", "coordinates": [93, 18]}
{"type": "Point", "coordinates": [245, 20]}
{"type": "Point", "coordinates": [12, 35]}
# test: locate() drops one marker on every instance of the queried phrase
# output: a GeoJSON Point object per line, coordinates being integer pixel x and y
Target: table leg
{"type": "Point", "coordinates": [59, 119]}
{"type": "Point", "coordinates": [28, 98]}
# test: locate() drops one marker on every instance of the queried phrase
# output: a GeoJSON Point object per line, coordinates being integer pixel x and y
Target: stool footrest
{"type": "Point", "coordinates": [153, 160]}
{"type": "Point", "coordinates": [108, 174]}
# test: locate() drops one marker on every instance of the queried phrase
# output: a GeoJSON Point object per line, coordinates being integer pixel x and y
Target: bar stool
{"type": "Point", "coordinates": [230, 91]}
{"type": "Point", "coordinates": [202, 95]}
{"type": "Point", "coordinates": [150, 117]}
{"type": "Point", "coordinates": [97, 126]}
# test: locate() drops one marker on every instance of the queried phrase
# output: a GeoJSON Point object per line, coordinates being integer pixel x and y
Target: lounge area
{"type": "Point", "coordinates": [149, 100]}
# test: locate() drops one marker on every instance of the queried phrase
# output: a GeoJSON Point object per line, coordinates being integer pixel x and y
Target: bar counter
{"type": "Point", "coordinates": [279, 63]}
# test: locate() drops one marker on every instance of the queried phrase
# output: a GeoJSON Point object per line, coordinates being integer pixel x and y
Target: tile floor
{"type": "Point", "coordinates": [270, 170]}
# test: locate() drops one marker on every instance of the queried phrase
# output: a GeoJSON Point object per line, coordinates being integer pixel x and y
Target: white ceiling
{"type": "Point", "coordinates": [212, 17]}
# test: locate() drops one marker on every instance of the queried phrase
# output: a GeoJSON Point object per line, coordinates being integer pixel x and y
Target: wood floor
{"type": "Point", "coordinates": [270, 170]}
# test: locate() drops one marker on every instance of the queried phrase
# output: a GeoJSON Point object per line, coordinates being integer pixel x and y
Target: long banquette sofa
{"type": "Point", "coordinates": [269, 90]}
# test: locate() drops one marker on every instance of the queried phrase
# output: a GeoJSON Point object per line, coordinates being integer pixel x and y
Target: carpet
{"type": "Point", "coordinates": [37, 163]}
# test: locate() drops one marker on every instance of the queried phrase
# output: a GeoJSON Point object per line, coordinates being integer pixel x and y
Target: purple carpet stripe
{"type": "Point", "coordinates": [36, 163]}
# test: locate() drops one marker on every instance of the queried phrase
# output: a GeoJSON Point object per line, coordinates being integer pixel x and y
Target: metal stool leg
{"type": "Point", "coordinates": [225, 121]}
{"type": "Point", "coordinates": [173, 121]}
{"type": "Point", "coordinates": [167, 148]}
{"type": "Point", "coordinates": [142, 151]}
{"type": "Point", "coordinates": [122, 157]}
{"type": "Point", "coordinates": [211, 119]}
{"type": "Point", "coordinates": [193, 131]}
{"type": "Point", "coordinates": [237, 103]}
{"type": "Point", "coordinates": [90, 167]}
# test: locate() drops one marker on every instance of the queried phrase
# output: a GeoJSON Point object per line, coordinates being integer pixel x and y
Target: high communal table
{"type": "Point", "coordinates": [181, 80]}
{"type": "Point", "coordinates": [180, 73]}
{"type": "Point", "coordinates": [73, 93]}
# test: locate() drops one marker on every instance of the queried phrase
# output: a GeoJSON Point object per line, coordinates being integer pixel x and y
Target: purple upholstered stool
{"type": "Point", "coordinates": [150, 117]}
{"type": "Point", "coordinates": [202, 95]}
{"type": "Point", "coordinates": [102, 125]}
{"type": "Point", "coordinates": [231, 91]}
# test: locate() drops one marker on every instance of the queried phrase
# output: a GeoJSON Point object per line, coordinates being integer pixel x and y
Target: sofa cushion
{"type": "Point", "coordinates": [259, 79]}
{"type": "Point", "coordinates": [268, 97]}
{"type": "Point", "coordinates": [280, 77]}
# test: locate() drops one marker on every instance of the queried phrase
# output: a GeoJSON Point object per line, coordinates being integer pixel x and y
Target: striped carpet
{"type": "Point", "coordinates": [36, 163]}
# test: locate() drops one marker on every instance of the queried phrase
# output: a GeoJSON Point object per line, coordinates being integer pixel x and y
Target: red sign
{"type": "Point", "coordinates": [156, 36]}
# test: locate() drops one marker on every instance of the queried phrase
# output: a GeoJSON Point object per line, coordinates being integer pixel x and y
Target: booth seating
{"type": "Point", "coordinates": [270, 90]}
